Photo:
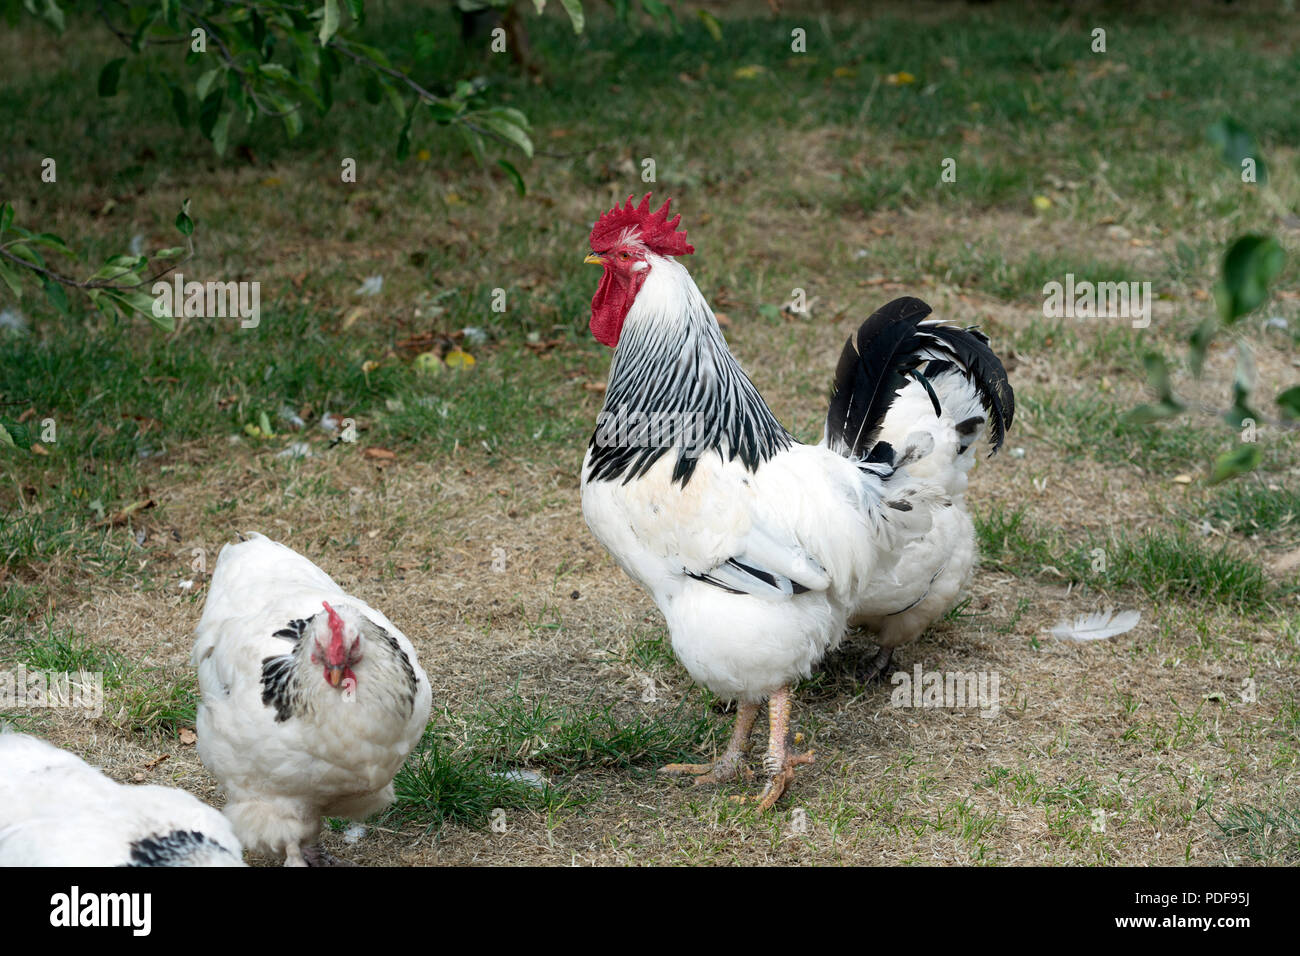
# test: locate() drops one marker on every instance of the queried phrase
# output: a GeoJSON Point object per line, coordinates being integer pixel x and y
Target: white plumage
{"type": "Point", "coordinates": [304, 713]}
{"type": "Point", "coordinates": [923, 580]}
{"type": "Point", "coordinates": [57, 810]}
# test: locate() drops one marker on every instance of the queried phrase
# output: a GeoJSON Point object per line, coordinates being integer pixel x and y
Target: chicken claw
{"type": "Point", "coordinates": [726, 767]}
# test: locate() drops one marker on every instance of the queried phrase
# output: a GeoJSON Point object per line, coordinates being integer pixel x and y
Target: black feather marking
{"type": "Point", "coordinates": [710, 579]}
{"type": "Point", "coordinates": [891, 345]}
{"type": "Point", "coordinates": [929, 390]}
{"type": "Point", "coordinates": [904, 610]}
{"type": "Point", "coordinates": [900, 505]}
{"type": "Point", "coordinates": [293, 631]}
{"type": "Point", "coordinates": [664, 380]}
{"type": "Point", "coordinates": [278, 689]}
{"type": "Point", "coordinates": [882, 452]}
{"type": "Point", "coordinates": [870, 372]}
{"type": "Point", "coordinates": [171, 849]}
{"type": "Point", "coordinates": [375, 632]}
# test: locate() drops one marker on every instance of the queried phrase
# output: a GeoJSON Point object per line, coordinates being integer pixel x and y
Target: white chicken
{"type": "Point", "coordinates": [757, 548]}
{"type": "Point", "coordinates": [58, 810]}
{"type": "Point", "coordinates": [920, 583]}
{"type": "Point", "coordinates": [311, 699]}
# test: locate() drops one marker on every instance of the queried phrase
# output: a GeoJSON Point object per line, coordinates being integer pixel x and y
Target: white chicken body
{"type": "Point", "coordinates": [925, 578]}
{"type": "Point", "coordinates": [286, 745]}
{"type": "Point", "coordinates": [807, 516]}
{"type": "Point", "coordinates": [57, 810]}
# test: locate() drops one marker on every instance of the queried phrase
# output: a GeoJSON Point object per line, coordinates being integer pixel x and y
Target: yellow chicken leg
{"type": "Point", "coordinates": [728, 765]}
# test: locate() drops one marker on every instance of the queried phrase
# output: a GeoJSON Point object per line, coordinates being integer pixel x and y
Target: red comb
{"type": "Point", "coordinates": [655, 229]}
{"type": "Point", "coordinates": [336, 625]}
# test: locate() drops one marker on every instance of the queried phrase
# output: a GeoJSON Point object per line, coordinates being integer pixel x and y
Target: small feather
{"type": "Point", "coordinates": [1096, 627]}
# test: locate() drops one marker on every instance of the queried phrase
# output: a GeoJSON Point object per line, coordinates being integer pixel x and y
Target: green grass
{"type": "Point", "coordinates": [138, 699]}
{"type": "Point", "coordinates": [460, 776]}
{"type": "Point", "coordinates": [1164, 565]}
{"type": "Point", "coordinates": [441, 784]}
{"type": "Point", "coordinates": [1249, 507]}
{"type": "Point", "coordinates": [1266, 835]}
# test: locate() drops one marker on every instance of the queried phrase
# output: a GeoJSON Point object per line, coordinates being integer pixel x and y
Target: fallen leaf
{"type": "Point", "coordinates": [844, 72]}
{"type": "Point", "coordinates": [121, 517]}
{"type": "Point", "coordinates": [747, 72]}
{"type": "Point", "coordinates": [161, 757]}
{"type": "Point", "coordinates": [375, 453]}
{"type": "Point", "coordinates": [458, 358]}
{"type": "Point", "coordinates": [1042, 203]}
{"type": "Point", "coordinates": [902, 78]}
{"type": "Point", "coordinates": [597, 387]}
{"type": "Point", "coordinates": [351, 316]}
{"type": "Point", "coordinates": [188, 737]}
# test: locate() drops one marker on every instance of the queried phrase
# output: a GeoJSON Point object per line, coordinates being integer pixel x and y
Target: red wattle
{"type": "Point", "coordinates": [610, 306]}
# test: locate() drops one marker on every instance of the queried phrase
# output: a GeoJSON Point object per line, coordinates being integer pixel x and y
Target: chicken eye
{"type": "Point", "coordinates": [624, 256]}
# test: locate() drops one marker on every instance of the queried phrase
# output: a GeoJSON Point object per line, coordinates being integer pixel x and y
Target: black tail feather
{"type": "Point", "coordinates": [889, 347]}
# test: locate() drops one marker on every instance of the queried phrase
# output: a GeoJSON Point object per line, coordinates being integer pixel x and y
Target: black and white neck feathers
{"type": "Point", "coordinates": [675, 388]}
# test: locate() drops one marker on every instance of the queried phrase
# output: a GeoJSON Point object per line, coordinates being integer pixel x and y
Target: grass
{"type": "Point", "coordinates": [815, 172]}
{"type": "Point", "coordinates": [1164, 565]}
{"type": "Point", "coordinates": [1268, 835]}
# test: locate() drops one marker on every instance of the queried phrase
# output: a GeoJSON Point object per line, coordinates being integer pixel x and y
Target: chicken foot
{"type": "Point", "coordinates": [727, 766]}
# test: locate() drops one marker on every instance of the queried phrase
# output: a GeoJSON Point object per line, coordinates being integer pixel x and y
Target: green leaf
{"type": "Point", "coordinates": [15, 435]}
{"type": "Point", "coordinates": [1158, 375]}
{"type": "Point", "coordinates": [508, 131]}
{"type": "Point", "coordinates": [1235, 143]}
{"type": "Point", "coordinates": [1146, 414]}
{"type": "Point", "coordinates": [1251, 263]}
{"type": "Point", "coordinates": [180, 104]}
{"type": "Point", "coordinates": [769, 311]}
{"type": "Point", "coordinates": [220, 129]}
{"type": "Point", "coordinates": [50, 12]}
{"type": "Point", "coordinates": [574, 9]}
{"type": "Point", "coordinates": [1199, 343]}
{"type": "Point", "coordinates": [6, 216]}
{"type": "Point", "coordinates": [329, 24]}
{"type": "Point", "coordinates": [1245, 457]}
{"type": "Point", "coordinates": [141, 302]}
{"type": "Point", "coordinates": [58, 298]}
{"type": "Point", "coordinates": [712, 25]}
{"type": "Point", "coordinates": [170, 252]}
{"type": "Point", "coordinates": [475, 143]}
{"type": "Point", "coordinates": [10, 278]}
{"type": "Point", "coordinates": [109, 76]}
{"type": "Point", "coordinates": [513, 175]}
{"type": "Point", "coordinates": [1290, 402]}
{"type": "Point", "coordinates": [203, 86]}
{"type": "Point", "coordinates": [184, 224]}
{"type": "Point", "coordinates": [404, 139]}
{"type": "Point", "coordinates": [209, 110]}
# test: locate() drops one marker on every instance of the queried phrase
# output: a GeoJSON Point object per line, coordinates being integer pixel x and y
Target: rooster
{"type": "Point", "coordinates": [58, 810]}
{"type": "Point", "coordinates": [758, 549]}
{"type": "Point", "coordinates": [311, 699]}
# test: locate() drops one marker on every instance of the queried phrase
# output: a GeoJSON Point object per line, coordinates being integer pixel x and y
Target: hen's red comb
{"type": "Point", "coordinates": [336, 626]}
{"type": "Point", "coordinates": [655, 229]}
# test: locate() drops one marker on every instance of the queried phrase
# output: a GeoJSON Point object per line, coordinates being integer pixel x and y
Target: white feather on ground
{"type": "Point", "coordinates": [1097, 626]}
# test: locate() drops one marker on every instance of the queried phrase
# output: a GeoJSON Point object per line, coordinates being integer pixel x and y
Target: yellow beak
{"type": "Point", "coordinates": [593, 260]}
{"type": "Point", "coordinates": [335, 676]}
